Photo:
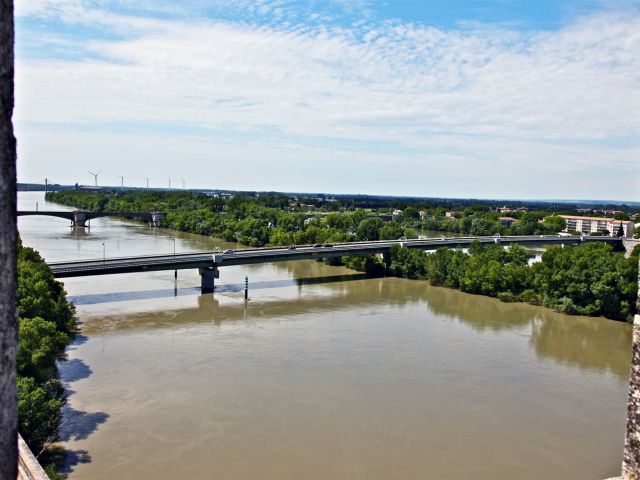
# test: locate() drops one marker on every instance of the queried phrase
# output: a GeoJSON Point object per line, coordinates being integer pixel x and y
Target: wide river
{"type": "Point", "coordinates": [323, 373]}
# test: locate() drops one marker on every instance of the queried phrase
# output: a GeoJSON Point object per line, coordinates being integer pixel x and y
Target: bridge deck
{"type": "Point", "coordinates": [88, 213]}
{"type": "Point", "coordinates": [277, 254]}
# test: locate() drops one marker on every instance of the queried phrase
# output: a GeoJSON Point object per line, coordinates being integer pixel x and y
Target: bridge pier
{"type": "Point", "coordinates": [155, 219]}
{"type": "Point", "coordinates": [207, 278]}
{"type": "Point", "coordinates": [386, 259]}
{"type": "Point", "coordinates": [79, 219]}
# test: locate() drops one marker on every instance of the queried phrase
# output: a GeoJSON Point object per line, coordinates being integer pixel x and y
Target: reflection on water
{"type": "Point", "coordinates": [588, 343]}
{"type": "Point", "coordinates": [325, 373]}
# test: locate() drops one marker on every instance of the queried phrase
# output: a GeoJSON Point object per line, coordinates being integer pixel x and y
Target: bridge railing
{"type": "Point", "coordinates": [376, 243]}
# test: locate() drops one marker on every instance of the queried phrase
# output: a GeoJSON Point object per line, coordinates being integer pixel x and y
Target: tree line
{"type": "Point", "coordinates": [585, 280]}
{"type": "Point", "coordinates": [269, 220]}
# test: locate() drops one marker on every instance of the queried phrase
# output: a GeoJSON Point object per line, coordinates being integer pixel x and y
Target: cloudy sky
{"type": "Point", "coordinates": [496, 99]}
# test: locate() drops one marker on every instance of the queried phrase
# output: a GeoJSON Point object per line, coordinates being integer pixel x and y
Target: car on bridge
{"type": "Point", "coordinates": [227, 252]}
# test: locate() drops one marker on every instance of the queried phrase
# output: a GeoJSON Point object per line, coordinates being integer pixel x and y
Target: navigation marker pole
{"type": "Point", "coordinates": [246, 288]}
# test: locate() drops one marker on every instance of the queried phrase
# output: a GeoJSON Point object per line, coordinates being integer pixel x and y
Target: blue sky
{"type": "Point", "coordinates": [496, 99]}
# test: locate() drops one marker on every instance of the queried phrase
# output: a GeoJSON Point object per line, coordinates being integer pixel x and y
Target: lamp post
{"type": "Point", "coordinates": [175, 272]}
{"type": "Point", "coordinates": [104, 257]}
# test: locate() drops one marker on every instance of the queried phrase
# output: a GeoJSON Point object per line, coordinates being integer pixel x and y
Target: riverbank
{"type": "Point", "coordinates": [586, 280]}
{"type": "Point", "coordinates": [45, 327]}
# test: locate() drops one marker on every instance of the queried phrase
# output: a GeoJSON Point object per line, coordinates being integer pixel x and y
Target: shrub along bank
{"type": "Point", "coordinates": [45, 326]}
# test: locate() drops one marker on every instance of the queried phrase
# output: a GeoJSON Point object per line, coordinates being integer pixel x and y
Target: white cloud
{"type": "Point", "coordinates": [562, 102]}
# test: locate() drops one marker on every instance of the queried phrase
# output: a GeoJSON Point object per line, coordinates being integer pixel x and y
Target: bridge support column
{"type": "Point", "coordinates": [155, 219]}
{"type": "Point", "coordinates": [79, 219]}
{"type": "Point", "coordinates": [386, 259]}
{"type": "Point", "coordinates": [207, 278]}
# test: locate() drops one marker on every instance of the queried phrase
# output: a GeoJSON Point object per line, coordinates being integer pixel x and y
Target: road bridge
{"type": "Point", "coordinates": [80, 218]}
{"type": "Point", "coordinates": [208, 263]}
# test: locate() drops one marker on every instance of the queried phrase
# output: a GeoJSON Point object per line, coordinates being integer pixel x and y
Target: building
{"type": "Point", "coordinates": [589, 225]}
{"type": "Point", "coordinates": [396, 213]}
{"type": "Point", "coordinates": [609, 212]}
{"type": "Point", "coordinates": [423, 214]}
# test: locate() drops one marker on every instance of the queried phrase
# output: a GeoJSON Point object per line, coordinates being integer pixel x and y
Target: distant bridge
{"type": "Point", "coordinates": [80, 218]}
{"type": "Point", "coordinates": [208, 263]}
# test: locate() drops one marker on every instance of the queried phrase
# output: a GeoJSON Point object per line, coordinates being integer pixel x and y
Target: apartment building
{"type": "Point", "coordinates": [589, 225]}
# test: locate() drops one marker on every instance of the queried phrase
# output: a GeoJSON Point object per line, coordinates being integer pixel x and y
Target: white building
{"type": "Point", "coordinates": [588, 225]}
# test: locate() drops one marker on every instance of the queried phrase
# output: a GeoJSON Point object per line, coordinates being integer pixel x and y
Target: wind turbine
{"type": "Point", "coordinates": [183, 183]}
{"type": "Point", "coordinates": [95, 177]}
{"type": "Point", "coordinates": [147, 178]}
{"type": "Point", "coordinates": [121, 181]}
{"type": "Point", "coordinates": [169, 183]}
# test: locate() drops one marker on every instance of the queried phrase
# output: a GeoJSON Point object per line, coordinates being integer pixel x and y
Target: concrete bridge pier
{"type": "Point", "coordinates": [386, 259]}
{"type": "Point", "coordinates": [79, 219]}
{"type": "Point", "coordinates": [155, 219]}
{"type": "Point", "coordinates": [207, 278]}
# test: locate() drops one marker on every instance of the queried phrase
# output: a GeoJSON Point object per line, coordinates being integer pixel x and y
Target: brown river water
{"type": "Point", "coordinates": [323, 374]}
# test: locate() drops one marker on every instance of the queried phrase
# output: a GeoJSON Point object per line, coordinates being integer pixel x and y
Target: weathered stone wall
{"type": "Point", "coordinates": [631, 460]}
{"type": "Point", "coordinates": [8, 267]}
{"type": "Point", "coordinates": [28, 466]}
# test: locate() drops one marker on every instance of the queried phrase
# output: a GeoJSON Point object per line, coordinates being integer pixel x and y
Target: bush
{"type": "Point", "coordinates": [506, 297]}
{"type": "Point", "coordinates": [40, 343]}
{"type": "Point", "coordinates": [38, 411]}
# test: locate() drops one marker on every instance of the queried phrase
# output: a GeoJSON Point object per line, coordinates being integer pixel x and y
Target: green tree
{"type": "Point", "coordinates": [391, 231]}
{"type": "Point", "coordinates": [369, 229]}
{"type": "Point", "coordinates": [410, 213]}
{"type": "Point", "coordinates": [555, 223]}
{"type": "Point", "coordinates": [40, 343]}
{"type": "Point", "coordinates": [38, 411]}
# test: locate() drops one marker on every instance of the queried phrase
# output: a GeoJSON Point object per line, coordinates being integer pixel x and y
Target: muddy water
{"type": "Point", "coordinates": [324, 373]}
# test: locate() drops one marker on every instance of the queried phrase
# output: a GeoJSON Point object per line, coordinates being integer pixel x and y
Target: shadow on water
{"type": "Point", "coordinates": [225, 288]}
{"type": "Point", "coordinates": [76, 424]}
{"type": "Point", "coordinates": [65, 459]}
{"type": "Point", "coordinates": [73, 370]}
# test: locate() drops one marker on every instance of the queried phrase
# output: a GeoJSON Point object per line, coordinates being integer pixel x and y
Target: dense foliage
{"type": "Point", "coordinates": [585, 280]}
{"type": "Point", "coordinates": [45, 326]}
{"type": "Point", "coordinates": [276, 219]}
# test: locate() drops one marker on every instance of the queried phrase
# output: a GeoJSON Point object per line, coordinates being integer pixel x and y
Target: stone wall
{"type": "Point", "coordinates": [28, 466]}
